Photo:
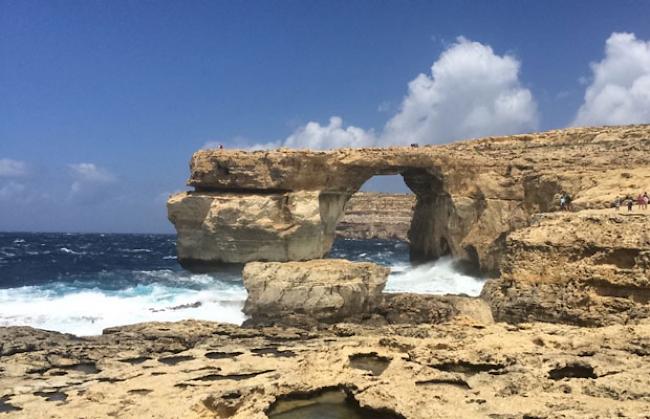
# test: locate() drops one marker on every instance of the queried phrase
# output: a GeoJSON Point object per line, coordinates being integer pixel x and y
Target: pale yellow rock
{"type": "Point", "coordinates": [590, 267]}
{"type": "Point", "coordinates": [234, 228]}
{"type": "Point", "coordinates": [326, 290]}
{"type": "Point", "coordinates": [206, 370]}
{"type": "Point", "coordinates": [370, 215]}
{"type": "Point", "coordinates": [492, 203]}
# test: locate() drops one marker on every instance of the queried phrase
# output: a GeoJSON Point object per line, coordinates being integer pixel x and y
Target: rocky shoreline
{"type": "Point", "coordinates": [561, 330]}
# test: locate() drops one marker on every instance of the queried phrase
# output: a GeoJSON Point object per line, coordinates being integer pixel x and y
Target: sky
{"type": "Point", "coordinates": [102, 103]}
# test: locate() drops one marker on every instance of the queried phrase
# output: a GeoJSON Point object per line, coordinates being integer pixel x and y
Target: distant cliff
{"type": "Point", "coordinates": [371, 215]}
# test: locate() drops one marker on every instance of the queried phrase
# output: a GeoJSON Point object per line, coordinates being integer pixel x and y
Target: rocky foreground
{"type": "Point", "coordinates": [462, 369]}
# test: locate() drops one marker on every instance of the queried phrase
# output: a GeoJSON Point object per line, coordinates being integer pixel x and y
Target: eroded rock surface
{"type": "Point", "coordinates": [492, 203]}
{"type": "Point", "coordinates": [589, 268]}
{"type": "Point", "coordinates": [316, 293]}
{"type": "Point", "coordinates": [304, 293]}
{"type": "Point", "coordinates": [233, 228]}
{"type": "Point", "coordinates": [453, 370]}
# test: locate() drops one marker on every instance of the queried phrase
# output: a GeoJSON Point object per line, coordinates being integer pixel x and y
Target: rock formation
{"type": "Point", "coordinates": [235, 227]}
{"type": "Point", "coordinates": [370, 215]}
{"type": "Point", "coordinates": [201, 369]}
{"type": "Point", "coordinates": [316, 293]}
{"type": "Point", "coordinates": [589, 268]}
{"type": "Point", "coordinates": [304, 293]}
{"type": "Point", "coordinates": [491, 203]}
{"type": "Point", "coordinates": [469, 194]}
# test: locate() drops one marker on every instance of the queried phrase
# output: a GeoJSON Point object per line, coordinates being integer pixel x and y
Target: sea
{"type": "Point", "coordinates": [83, 283]}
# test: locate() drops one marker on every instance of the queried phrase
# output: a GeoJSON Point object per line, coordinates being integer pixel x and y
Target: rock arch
{"type": "Point", "coordinates": [492, 203]}
{"type": "Point", "coordinates": [284, 204]}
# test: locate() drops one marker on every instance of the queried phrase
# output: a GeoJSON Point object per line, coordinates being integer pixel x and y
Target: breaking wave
{"type": "Point", "coordinates": [88, 312]}
{"type": "Point", "coordinates": [439, 277]}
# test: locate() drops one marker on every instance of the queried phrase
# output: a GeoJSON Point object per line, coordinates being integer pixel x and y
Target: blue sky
{"type": "Point", "coordinates": [103, 102]}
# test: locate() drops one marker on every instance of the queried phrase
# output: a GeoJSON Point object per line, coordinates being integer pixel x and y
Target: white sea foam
{"type": "Point", "coordinates": [439, 277]}
{"type": "Point", "coordinates": [136, 250]}
{"type": "Point", "coordinates": [70, 251]}
{"type": "Point", "coordinates": [173, 277]}
{"type": "Point", "coordinates": [88, 312]}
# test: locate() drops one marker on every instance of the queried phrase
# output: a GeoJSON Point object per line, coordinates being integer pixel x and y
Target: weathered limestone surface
{"type": "Point", "coordinates": [197, 369]}
{"type": "Point", "coordinates": [370, 215]}
{"type": "Point", "coordinates": [591, 268]}
{"type": "Point", "coordinates": [234, 228]}
{"type": "Point", "coordinates": [303, 293]}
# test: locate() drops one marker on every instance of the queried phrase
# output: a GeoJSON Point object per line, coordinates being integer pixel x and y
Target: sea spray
{"type": "Point", "coordinates": [439, 277]}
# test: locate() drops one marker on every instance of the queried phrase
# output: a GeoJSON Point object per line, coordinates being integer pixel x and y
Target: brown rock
{"type": "Point", "coordinates": [470, 194]}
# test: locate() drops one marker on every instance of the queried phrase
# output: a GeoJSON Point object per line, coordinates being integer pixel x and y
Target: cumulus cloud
{"type": "Point", "coordinates": [90, 182]}
{"type": "Point", "coordinates": [470, 92]}
{"type": "Point", "coordinates": [619, 92]}
{"type": "Point", "coordinates": [12, 168]}
{"type": "Point", "coordinates": [332, 135]}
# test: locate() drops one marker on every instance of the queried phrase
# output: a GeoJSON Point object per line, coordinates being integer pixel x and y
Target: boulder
{"type": "Point", "coordinates": [313, 292]}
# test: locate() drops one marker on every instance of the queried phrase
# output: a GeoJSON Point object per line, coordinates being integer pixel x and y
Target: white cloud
{"type": "Point", "coordinates": [470, 92]}
{"type": "Point", "coordinates": [384, 106]}
{"type": "Point", "coordinates": [12, 168]}
{"type": "Point", "coordinates": [264, 146]}
{"type": "Point", "coordinates": [619, 92]}
{"type": "Point", "coordinates": [211, 144]}
{"type": "Point", "coordinates": [332, 135]}
{"type": "Point", "coordinates": [89, 172]}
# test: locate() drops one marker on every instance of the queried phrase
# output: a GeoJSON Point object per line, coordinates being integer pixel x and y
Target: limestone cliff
{"type": "Point", "coordinates": [371, 215]}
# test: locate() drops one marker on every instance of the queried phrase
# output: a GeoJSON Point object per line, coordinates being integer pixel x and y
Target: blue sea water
{"type": "Point", "coordinates": [83, 283]}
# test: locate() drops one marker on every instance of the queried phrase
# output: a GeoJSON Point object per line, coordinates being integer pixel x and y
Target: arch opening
{"type": "Point", "coordinates": [406, 228]}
